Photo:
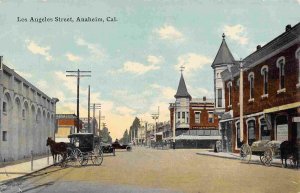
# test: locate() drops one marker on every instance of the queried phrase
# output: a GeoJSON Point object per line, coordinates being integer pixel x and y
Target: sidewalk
{"type": "Point", "coordinates": [229, 155]}
{"type": "Point", "coordinates": [21, 169]}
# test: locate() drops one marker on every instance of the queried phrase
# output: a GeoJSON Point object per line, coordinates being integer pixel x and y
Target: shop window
{"type": "Point", "coordinates": [23, 114]}
{"type": "Point", "coordinates": [251, 132]}
{"type": "Point", "coordinates": [238, 136]}
{"type": "Point", "coordinates": [281, 128]}
{"type": "Point", "coordinates": [237, 85]}
{"type": "Point", "coordinates": [265, 133]}
{"type": "Point", "coordinates": [4, 135]}
{"type": "Point", "coordinates": [178, 115]}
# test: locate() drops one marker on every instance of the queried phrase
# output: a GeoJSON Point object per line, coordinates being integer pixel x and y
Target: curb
{"type": "Point", "coordinates": [236, 158]}
{"type": "Point", "coordinates": [5, 182]}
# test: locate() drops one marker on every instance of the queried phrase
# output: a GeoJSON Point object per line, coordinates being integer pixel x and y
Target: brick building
{"type": "Point", "coordinates": [195, 122]}
{"type": "Point", "coordinates": [271, 92]}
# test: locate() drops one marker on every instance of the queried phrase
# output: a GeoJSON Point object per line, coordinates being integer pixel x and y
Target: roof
{"type": "Point", "coordinates": [224, 55]}
{"type": "Point", "coordinates": [182, 90]}
{"type": "Point", "coordinates": [289, 37]}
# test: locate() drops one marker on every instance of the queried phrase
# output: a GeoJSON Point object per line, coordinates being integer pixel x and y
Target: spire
{"type": "Point", "coordinates": [224, 55]}
{"type": "Point", "coordinates": [182, 90]}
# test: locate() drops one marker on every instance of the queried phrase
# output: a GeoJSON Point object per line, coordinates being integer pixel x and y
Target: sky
{"type": "Point", "coordinates": [135, 60]}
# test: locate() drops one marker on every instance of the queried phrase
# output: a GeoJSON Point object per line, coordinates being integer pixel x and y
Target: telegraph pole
{"type": "Point", "coordinates": [78, 74]}
{"type": "Point", "coordinates": [95, 106]}
{"type": "Point", "coordinates": [241, 99]}
{"type": "Point", "coordinates": [89, 101]}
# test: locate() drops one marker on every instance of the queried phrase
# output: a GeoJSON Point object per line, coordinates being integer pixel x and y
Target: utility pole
{"type": "Point", "coordinates": [241, 99]}
{"type": "Point", "coordinates": [100, 118]}
{"type": "Point", "coordinates": [78, 74]}
{"type": "Point", "coordinates": [95, 106]}
{"type": "Point", "coordinates": [89, 103]}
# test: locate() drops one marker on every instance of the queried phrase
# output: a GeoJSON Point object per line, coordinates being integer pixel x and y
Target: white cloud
{"type": "Point", "coordinates": [73, 58]}
{"type": "Point", "coordinates": [138, 68]}
{"type": "Point", "coordinates": [168, 32]}
{"type": "Point", "coordinates": [155, 59]}
{"type": "Point", "coordinates": [298, 1]}
{"type": "Point", "coordinates": [192, 62]}
{"type": "Point", "coordinates": [93, 48]}
{"type": "Point", "coordinates": [199, 92]}
{"type": "Point", "coordinates": [37, 49]}
{"type": "Point", "coordinates": [237, 33]}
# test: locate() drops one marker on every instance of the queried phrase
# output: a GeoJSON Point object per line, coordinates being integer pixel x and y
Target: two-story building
{"type": "Point", "coordinates": [194, 120]}
{"type": "Point", "coordinates": [271, 92]}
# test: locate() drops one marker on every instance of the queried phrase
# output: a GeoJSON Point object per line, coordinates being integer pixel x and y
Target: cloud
{"type": "Point", "coordinates": [155, 59]}
{"type": "Point", "coordinates": [36, 49]}
{"type": "Point", "coordinates": [73, 58]}
{"type": "Point", "coordinates": [168, 32]}
{"type": "Point", "coordinates": [93, 48]}
{"type": "Point", "coordinates": [199, 92]}
{"type": "Point", "coordinates": [192, 62]}
{"type": "Point", "coordinates": [298, 1]}
{"type": "Point", "coordinates": [237, 33]}
{"type": "Point", "coordinates": [138, 68]}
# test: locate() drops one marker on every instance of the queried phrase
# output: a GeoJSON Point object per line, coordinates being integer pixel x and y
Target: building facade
{"type": "Point", "coordinates": [27, 117]}
{"type": "Point", "coordinates": [271, 92]}
{"type": "Point", "coordinates": [194, 120]}
{"type": "Point", "coordinates": [66, 125]}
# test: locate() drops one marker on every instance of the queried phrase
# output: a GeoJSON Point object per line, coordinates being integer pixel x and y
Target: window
{"type": "Point", "coordinates": [4, 107]}
{"type": "Point", "coordinates": [238, 135]}
{"type": "Point", "coordinates": [210, 117]}
{"type": "Point", "coordinates": [251, 132]}
{"type": "Point", "coordinates": [229, 85]}
{"type": "Point", "coordinates": [264, 73]}
{"type": "Point", "coordinates": [178, 115]}
{"type": "Point", "coordinates": [23, 114]}
{"type": "Point", "coordinates": [197, 117]}
{"type": "Point", "coordinates": [183, 115]}
{"type": "Point", "coordinates": [280, 64]}
{"type": "Point", "coordinates": [220, 97]}
{"type": "Point", "coordinates": [298, 57]}
{"type": "Point", "coordinates": [251, 85]}
{"type": "Point", "coordinates": [264, 131]}
{"type": "Point", "coordinates": [4, 135]}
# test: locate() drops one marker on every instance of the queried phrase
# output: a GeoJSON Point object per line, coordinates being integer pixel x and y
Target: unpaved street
{"type": "Point", "coordinates": [151, 170]}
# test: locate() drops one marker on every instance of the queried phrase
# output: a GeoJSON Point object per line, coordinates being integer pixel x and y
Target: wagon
{"type": "Point", "coordinates": [265, 149]}
{"type": "Point", "coordinates": [83, 148]}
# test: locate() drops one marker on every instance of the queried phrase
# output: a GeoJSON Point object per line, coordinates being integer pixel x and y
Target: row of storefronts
{"type": "Point", "coordinates": [271, 93]}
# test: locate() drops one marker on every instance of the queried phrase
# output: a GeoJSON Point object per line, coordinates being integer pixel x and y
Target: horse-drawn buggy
{"type": "Point", "coordinates": [82, 148]}
{"type": "Point", "coordinates": [268, 150]}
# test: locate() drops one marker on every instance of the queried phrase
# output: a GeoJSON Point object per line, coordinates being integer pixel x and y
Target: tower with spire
{"type": "Point", "coordinates": [223, 61]}
{"type": "Point", "coordinates": [182, 104]}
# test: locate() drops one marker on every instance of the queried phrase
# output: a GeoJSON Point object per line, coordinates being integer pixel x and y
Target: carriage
{"type": "Point", "coordinates": [82, 148]}
{"type": "Point", "coordinates": [266, 150]}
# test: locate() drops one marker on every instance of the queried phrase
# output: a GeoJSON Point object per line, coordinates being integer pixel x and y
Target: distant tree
{"type": "Point", "coordinates": [105, 134]}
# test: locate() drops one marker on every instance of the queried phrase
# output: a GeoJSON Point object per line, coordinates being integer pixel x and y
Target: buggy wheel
{"type": "Point", "coordinates": [246, 153]}
{"type": "Point", "coordinates": [267, 157]}
{"type": "Point", "coordinates": [128, 148]}
{"type": "Point", "coordinates": [98, 159]}
{"type": "Point", "coordinates": [77, 156]}
{"type": "Point", "coordinates": [85, 159]}
{"type": "Point", "coordinates": [292, 162]}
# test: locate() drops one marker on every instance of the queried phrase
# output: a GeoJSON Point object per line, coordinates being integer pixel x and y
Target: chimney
{"type": "Point", "coordinates": [288, 27]}
{"type": "Point", "coordinates": [204, 98]}
{"type": "Point", "coordinates": [258, 47]}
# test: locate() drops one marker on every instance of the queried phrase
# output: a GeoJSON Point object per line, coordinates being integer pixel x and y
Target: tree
{"type": "Point", "coordinates": [134, 128]}
{"type": "Point", "coordinates": [105, 134]}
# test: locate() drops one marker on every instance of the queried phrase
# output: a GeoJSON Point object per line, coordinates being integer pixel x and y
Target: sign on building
{"type": "Point", "coordinates": [282, 132]}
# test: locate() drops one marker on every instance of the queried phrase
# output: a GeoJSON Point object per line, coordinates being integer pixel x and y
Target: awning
{"type": "Point", "coordinates": [195, 137]}
{"type": "Point", "coordinates": [282, 107]}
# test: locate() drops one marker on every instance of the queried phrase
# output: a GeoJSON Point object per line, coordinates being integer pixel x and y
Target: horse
{"type": "Point", "coordinates": [56, 148]}
{"type": "Point", "coordinates": [289, 150]}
